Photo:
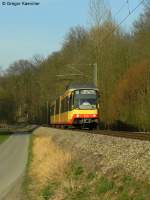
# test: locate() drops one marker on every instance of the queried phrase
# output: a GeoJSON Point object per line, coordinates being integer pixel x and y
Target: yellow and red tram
{"type": "Point", "coordinates": [78, 107]}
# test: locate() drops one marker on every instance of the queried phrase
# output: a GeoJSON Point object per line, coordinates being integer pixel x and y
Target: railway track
{"type": "Point", "coordinates": [128, 135]}
{"type": "Point", "coordinates": [123, 134]}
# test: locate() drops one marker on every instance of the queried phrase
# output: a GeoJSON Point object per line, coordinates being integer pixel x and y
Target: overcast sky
{"type": "Point", "coordinates": [29, 30]}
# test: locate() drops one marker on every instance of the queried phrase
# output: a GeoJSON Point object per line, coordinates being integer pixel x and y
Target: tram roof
{"type": "Point", "coordinates": [80, 86]}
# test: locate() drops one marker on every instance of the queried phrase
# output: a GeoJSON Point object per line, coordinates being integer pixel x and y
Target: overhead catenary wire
{"type": "Point", "coordinates": [122, 21]}
{"type": "Point", "coordinates": [131, 12]}
{"type": "Point", "coordinates": [120, 9]}
{"type": "Point", "coordinates": [146, 4]}
{"type": "Point", "coordinates": [117, 12]}
{"type": "Point", "coordinates": [112, 31]}
{"type": "Point", "coordinates": [101, 17]}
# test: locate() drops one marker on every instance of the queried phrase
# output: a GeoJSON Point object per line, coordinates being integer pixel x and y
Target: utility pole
{"type": "Point", "coordinates": [95, 76]}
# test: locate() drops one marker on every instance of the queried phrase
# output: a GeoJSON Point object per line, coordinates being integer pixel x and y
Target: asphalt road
{"type": "Point", "coordinates": [13, 159]}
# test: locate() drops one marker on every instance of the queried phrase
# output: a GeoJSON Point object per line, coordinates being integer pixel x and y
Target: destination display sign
{"type": "Point", "coordinates": [85, 92]}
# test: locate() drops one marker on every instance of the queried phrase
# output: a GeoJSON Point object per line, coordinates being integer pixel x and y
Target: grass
{"type": "Point", "coordinates": [80, 194]}
{"type": "Point", "coordinates": [104, 185]}
{"type": "Point", "coordinates": [49, 191]}
{"type": "Point", "coordinates": [45, 168]}
{"type": "Point", "coordinates": [4, 135]}
{"type": "Point", "coordinates": [133, 189]}
{"type": "Point", "coordinates": [84, 185]}
{"type": "Point", "coordinates": [54, 175]}
{"type": "Point", "coordinates": [3, 138]}
{"type": "Point", "coordinates": [27, 179]}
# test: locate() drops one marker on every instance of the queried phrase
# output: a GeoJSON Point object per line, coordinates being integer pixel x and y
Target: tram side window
{"type": "Point", "coordinates": [57, 106]}
{"type": "Point", "coordinates": [70, 102]}
{"type": "Point", "coordinates": [52, 111]}
{"type": "Point", "coordinates": [64, 105]}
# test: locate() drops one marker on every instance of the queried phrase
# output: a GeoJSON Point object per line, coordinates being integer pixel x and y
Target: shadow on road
{"type": "Point", "coordinates": [28, 129]}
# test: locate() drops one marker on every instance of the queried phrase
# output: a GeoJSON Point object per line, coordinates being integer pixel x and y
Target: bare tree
{"type": "Point", "coordinates": [98, 12]}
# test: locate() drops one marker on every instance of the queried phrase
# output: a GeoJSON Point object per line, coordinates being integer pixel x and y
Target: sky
{"type": "Point", "coordinates": [26, 31]}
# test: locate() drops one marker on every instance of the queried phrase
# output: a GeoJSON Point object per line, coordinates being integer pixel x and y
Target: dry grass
{"type": "Point", "coordinates": [54, 175]}
{"type": "Point", "coordinates": [48, 164]}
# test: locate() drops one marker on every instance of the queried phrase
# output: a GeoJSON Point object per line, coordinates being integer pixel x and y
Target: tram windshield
{"type": "Point", "coordinates": [85, 99]}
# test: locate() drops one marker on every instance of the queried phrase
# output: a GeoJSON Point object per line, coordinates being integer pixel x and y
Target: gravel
{"type": "Point", "coordinates": [105, 153]}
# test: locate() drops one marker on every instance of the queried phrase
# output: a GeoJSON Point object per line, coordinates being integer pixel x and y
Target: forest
{"type": "Point", "coordinates": [123, 60]}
